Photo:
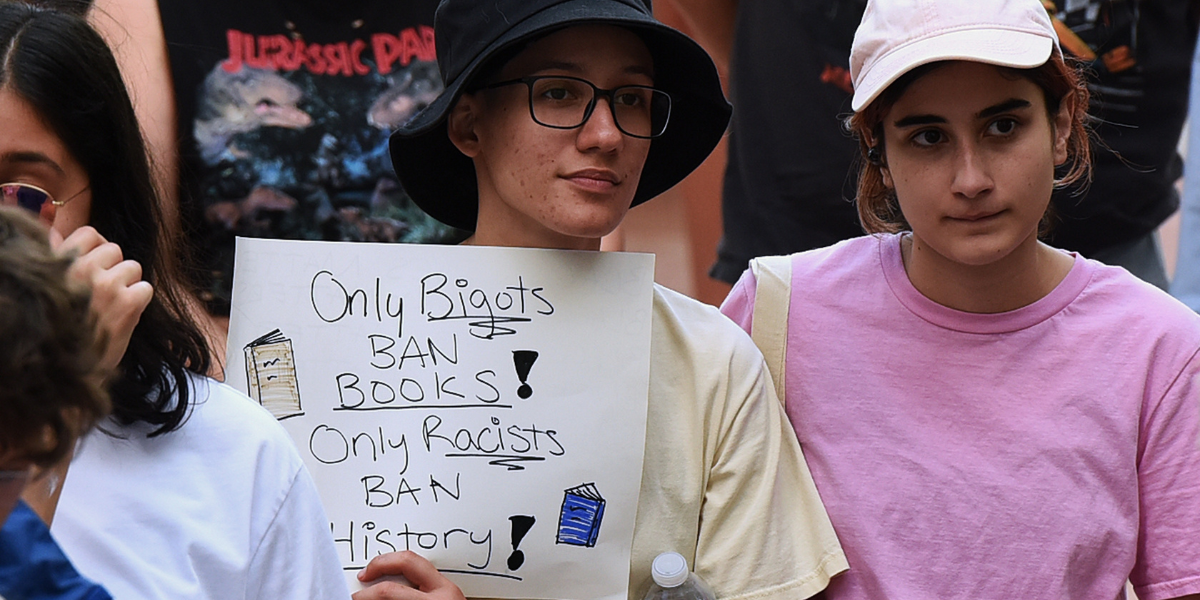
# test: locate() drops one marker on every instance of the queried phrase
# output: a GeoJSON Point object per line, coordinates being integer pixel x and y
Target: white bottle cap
{"type": "Point", "coordinates": [669, 569]}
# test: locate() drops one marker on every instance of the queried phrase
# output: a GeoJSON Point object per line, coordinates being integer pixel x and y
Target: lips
{"type": "Point", "coordinates": [594, 180]}
{"type": "Point", "coordinates": [976, 216]}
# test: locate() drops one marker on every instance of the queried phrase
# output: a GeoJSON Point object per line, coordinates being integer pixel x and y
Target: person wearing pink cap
{"type": "Point", "coordinates": [985, 416]}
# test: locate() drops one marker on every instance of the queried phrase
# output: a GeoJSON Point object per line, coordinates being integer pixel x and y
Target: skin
{"type": "Point", "coordinates": [970, 152]}
{"type": "Point", "coordinates": [31, 153]}
{"type": "Point", "coordinates": [10, 488]}
{"type": "Point", "coordinates": [554, 188]}
{"type": "Point", "coordinates": [538, 188]}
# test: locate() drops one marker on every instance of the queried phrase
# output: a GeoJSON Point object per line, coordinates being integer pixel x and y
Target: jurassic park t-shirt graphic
{"type": "Point", "coordinates": [292, 137]}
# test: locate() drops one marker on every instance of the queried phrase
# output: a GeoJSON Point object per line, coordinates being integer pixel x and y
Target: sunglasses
{"type": "Point", "coordinates": [33, 199]}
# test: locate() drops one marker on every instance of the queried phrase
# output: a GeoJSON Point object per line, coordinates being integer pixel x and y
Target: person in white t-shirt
{"type": "Point", "coordinates": [557, 116]}
{"type": "Point", "coordinates": [985, 416]}
{"type": "Point", "coordinates": [190, 490]}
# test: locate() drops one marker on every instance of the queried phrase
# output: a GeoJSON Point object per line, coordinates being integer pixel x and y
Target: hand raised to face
{"type": "Point", "coordinates": [119, 295]}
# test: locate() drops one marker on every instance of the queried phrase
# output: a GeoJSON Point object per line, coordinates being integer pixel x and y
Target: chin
{"type": "Point", "coordinates": [593, 226]}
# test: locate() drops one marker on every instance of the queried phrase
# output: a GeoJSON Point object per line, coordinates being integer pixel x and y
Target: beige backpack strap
{"type": "Point", "coordinates": [772, 296]}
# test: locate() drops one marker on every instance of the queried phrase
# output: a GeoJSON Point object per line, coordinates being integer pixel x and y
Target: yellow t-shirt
{"type": "Point", "coordinates": [723, 480]}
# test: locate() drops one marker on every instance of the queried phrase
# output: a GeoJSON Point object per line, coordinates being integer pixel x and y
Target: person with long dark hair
{"type": "Point", "coordinates": [190, 490]}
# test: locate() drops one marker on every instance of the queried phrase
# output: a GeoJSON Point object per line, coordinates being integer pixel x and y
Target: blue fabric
{"type": "Point", "coordinates": [33, 567]}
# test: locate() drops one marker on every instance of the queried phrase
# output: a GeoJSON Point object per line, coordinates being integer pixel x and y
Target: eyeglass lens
{"type": "Point", "coordinates": [638, 111]}
{"type": "Point", "coordinates": [30, 198]}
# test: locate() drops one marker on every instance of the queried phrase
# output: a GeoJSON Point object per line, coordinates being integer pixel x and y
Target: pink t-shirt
{"type": "Point", "coordinates": [1048, 452]}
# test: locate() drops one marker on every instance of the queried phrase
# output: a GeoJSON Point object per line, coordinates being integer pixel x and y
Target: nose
{"type": "Point", "coordinates": [599, 131]}
{"type": "Point", "coordinates": [972, 175]}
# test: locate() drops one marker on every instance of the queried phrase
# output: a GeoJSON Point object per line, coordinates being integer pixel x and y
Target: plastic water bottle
{"type": "Point", "coordinates": [673, 580]}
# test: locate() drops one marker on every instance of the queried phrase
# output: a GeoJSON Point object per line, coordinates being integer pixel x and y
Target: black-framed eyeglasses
{"type": "Point", "coordinates": [34, 199]}
{"type": "Point", "coordinates": [561, 102]}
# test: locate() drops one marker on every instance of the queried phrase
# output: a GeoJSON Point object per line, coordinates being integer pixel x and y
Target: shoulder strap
{"type": "Point", "coordinates": [773, 293]}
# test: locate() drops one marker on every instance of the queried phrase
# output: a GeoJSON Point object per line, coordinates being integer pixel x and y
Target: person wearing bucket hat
{"type": "Point", "coordinates": [442, 180]}
{"type": "Point", "coordinates": [557, 116]}
{"type": "Point", "coordinates": [1029, 416]}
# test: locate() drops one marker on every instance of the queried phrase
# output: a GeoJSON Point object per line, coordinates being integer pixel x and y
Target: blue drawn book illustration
{"type": "Point", "coordinates": [582, 512]}
{"type": "Point", "coordinates": [271, 374]}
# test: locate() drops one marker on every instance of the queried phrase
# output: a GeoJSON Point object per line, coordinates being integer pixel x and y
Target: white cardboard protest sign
{"type": "Point", "coordinates": [484, 407]}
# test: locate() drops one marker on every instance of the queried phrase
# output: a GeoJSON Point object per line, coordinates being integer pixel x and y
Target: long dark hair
{"type": "Point", "coordinates": [57, 63]}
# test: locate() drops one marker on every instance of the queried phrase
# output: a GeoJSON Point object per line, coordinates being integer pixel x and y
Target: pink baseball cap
{"type": "Point", "coordinates": [896, 36]}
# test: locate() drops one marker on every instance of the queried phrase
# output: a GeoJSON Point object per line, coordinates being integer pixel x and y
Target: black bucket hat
{"type": "Point", "coordinates": [469, 33]}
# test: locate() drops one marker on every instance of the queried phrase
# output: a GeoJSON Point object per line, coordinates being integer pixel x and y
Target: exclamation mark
{"type": "Point", "coordinates": [521, 524]}
{"type": "Point", "coordinates": [523, 360]}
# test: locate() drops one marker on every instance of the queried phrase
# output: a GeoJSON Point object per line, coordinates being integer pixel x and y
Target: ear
{"type": "Point", "coordinates": [881, 161]}
{"type": "Point", "coordinates": [1062, 128]}
{"type": "Point", "coordinates": [461, 124]}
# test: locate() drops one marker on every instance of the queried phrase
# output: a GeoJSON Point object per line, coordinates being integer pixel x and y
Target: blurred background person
{"type": "Point", "coordinates": [1139, 55]}
{"type": "Point", "coordinates": [271, 119]}
{"type": "Point", "coordinates": [788, 184]}
{"type": "Point", "coordinates": [51, 392]}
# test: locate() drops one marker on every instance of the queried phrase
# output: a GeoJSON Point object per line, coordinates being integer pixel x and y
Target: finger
{"type": "Point", "coordinates": [122, 274]}
{"type": "Point", "coordinates": [410, 565]}
{"type": "Point", "coordinates": [91, 265]}
{"type": "Point", "coordinates": [56, 239]}
{"type": "Point", "coordinates": [389, 590]}
{"type": "Point", "coordinates": [82, 240]}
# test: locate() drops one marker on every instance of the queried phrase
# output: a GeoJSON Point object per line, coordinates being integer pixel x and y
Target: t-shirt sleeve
{"type": "Point", "coordinates": [296, 558]}
{"type": "Point", "coordinates": [739, 304]}
{"type": "Point", "coordinates": [764, 533]}
{"type": "Point", "coordinates": [1168, 558]}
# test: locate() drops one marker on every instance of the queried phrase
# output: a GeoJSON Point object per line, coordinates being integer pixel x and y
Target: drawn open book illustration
{"type": "Point", "coordinates": [579, 520]}
{"type": "Point", "coordinates": [271, 375]}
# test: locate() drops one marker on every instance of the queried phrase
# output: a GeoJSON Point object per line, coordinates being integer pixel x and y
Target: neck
{"type": "Point", "coordinates": [490, 236]}
{"type": "Point", "coordinates": [1026, 275]}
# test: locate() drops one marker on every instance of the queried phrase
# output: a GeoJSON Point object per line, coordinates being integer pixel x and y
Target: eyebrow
{"type": "Point", "coordinates": [31, 158]}
{"type": "Point", "coordinates": [991, 111]}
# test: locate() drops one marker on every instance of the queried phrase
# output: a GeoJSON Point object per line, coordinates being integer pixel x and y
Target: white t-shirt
{"type": "Point", "coordinates": [220, 509]}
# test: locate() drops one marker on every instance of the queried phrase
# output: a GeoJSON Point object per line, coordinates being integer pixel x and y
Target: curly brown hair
{"type": "Point", "coordinates": [51, 383]}
{"type": "Point", "coordinates": [1061, 82]}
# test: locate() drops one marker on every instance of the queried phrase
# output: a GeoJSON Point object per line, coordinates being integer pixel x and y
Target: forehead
{"type": "Point", "coordinates": [584, 48]}
{"type": "Point", "coordinates": [25, 138]}
{"type": "Point", "coordinates": [963, 88]}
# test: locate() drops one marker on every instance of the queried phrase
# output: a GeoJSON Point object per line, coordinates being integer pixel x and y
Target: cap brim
{"type": "Point", "coordinates": [1001, 47]}
{"type": "Point", "coordinates": [441, 180]}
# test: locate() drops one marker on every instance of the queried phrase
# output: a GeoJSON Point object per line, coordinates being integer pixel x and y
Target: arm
{"type": "Point", "coordinates": [1168, 467]}
{"type": "Point", "coordinates": [295, 556]}
{"type": "Point", "coordinates": [760, 492]}
{"type": "Point", "coordinates": [711, 23]}
{"type": "Point", "coordinates": [133, 30]}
